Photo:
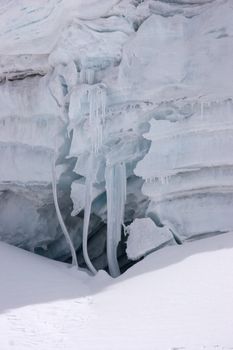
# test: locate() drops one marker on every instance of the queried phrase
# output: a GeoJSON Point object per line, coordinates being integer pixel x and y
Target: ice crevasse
{"type": "Point", "coordinates": [133, 100]}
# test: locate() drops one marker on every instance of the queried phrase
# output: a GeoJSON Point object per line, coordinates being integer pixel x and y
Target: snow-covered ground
{"type": "Point", "coordinates": [177, 298]}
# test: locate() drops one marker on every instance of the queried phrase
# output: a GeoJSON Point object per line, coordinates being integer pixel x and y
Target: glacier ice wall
{"type": "Point", "coordinates": [134, 99]}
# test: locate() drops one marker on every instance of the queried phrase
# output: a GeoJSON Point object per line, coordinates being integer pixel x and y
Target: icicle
{"type": "Point", "coordinates": [58, 212]}
{"type": "Point", "coordinates": [82, 76]}
{"type": "Point", "coordinates": [162, 179]}
{"type": "Point", "coordinates": [90, 76]}
{"type": "Point", "coordinates": [103, 104]}
{"type": "Point", "coordinates": [126, 229]}
{"type": "Point", "coordinates": [87, 214]}
{"type": "Point", "coordinates": [96, 116]}
{"type": "Point", "coordinates": [166, 180]}
{"type": "Point", "coordinates": [115, 176]}
{"type": "Point", "coordinates": [202, 110]}
{"type": "Point", "coordinates": [87, 76]}
{"type": "Point", "coordinates": [59, 216]}
{"type": "Point", "coordinates": [193, 107]}
{"type": "Point", "coordinates": [97, 101]}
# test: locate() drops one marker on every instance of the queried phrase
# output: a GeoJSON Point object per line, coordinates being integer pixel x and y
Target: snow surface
{"type": "Point", "coordinates": [177, 298]}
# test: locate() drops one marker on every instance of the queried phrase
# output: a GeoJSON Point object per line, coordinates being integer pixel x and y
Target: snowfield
{"type": "Point", "coordinates": [177, 298]}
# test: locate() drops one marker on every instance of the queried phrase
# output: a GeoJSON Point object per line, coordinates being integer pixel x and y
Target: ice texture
{"type": "Point", "coordinates": [190, 183]}
{"type": "Point", "coordinates": [144, 237]}
{"type": "Point", "coordinates": [135, 100]}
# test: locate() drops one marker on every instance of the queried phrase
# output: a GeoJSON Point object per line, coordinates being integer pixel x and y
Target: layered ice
{"type": "Point", "coordinates": [191, 181]}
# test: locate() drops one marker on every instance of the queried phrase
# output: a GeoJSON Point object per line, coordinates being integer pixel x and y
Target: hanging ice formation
{"type": "Point", "coordinates": [115, 176]}
{"type": "Point", "coordinates": [58, 212]}
{"type": "Point", "coordinates": [97, 103]}
{"type": "Point", "coordinates": [97, 106]}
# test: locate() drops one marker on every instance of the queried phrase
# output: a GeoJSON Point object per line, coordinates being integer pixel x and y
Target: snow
{"type": "Point", "coordinates": [169, 58]}
{"type": "Point", "coordinates": [177, 298]}
{"type": "Point", "coordinates": [35, 27]}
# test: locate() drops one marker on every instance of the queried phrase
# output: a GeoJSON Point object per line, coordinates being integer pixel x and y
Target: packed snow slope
{"type": "Point", "coordinates": [177, 298]}
{"type": "Point", "coordinates": [133, 99]}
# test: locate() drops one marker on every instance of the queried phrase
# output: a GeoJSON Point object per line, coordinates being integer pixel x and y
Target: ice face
{"type": "Point", "coordinates": [190, 182]}
{"type": "Point", "coordinates": [144, 237]}
{"type": "Point", "coordinates": [135, 100]}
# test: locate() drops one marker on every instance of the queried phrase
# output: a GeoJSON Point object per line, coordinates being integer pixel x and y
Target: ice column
{"type": "Point", "coordinates": [115, 176]}
{"type": "Point", "coordinates": [97, 102]}
{"type": "Point", "coordinates": [59, 216]}
{"type": "Point", "coordinates": [58, 212]}
{"type": "Point", "coordinates": [97, 106]}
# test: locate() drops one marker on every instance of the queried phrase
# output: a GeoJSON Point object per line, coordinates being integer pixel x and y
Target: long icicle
{"type": "Point", "coordinates": [59, 216]}
{"type": "Point", "coordinates": [87, 214]}
{"type": "Point", "coordinates": [96, 117]}
{"type": "Point", "coordinates": [116, 196]}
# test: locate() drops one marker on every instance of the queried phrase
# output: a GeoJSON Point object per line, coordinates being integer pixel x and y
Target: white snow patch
{"type": "Point", "coordinates": [180, 297]}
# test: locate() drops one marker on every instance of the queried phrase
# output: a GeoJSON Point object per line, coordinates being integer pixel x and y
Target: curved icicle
{"type": "Point", "coordinates": [115, 176]}
{"type": "Point", "coordinates": [59, 216]}
{"type": "Point", "coordinates": [87, 214]}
